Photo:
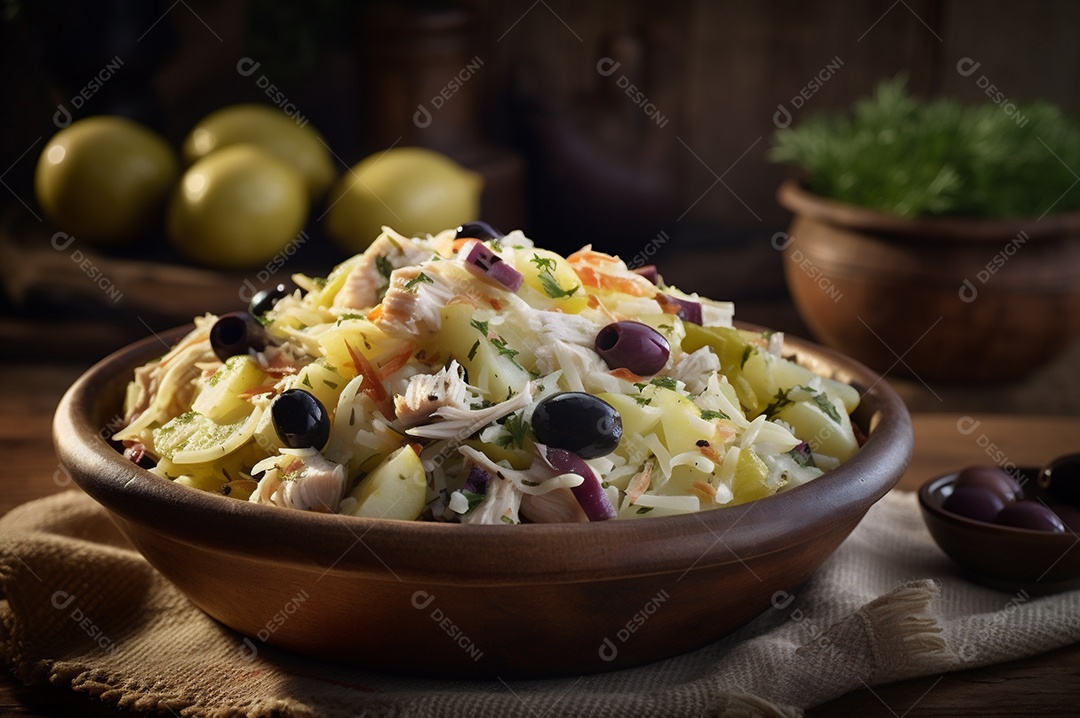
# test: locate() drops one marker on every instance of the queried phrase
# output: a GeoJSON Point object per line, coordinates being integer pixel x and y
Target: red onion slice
{"type": "Point", "coordinates": [650, 272]}
{"type": "Point", "coordinates": [689, 311]}
{"type": "Point", "coordinates": [589, 493]}
{"type": "Point", "coordinates": [487, 265]}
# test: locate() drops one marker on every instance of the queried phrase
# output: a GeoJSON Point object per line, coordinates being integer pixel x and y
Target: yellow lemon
{"type": "Point", "coordinates": [292, 140]}
{"type": "Point", "coordinates": [412, 189]}
{"type": "Point", "coordinates": [104, 178]}
{"type": "Point", "coordinates": [237, 208]}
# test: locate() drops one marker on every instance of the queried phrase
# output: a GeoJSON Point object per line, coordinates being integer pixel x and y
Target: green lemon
{"type": "Point", "coordinates": [411, 189]}
{"type": "Point", "coordinates": [237, 208]}
{"type": "Point", "coordinates": [294, 141]}
{"type": "Point", "coordinates": [104, 178]}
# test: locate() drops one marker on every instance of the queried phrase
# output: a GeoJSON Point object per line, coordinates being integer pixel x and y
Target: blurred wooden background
{"type": "Point", "coordinates": [673, 169]}
{"type": "Point", "coordinates": [717, 72]}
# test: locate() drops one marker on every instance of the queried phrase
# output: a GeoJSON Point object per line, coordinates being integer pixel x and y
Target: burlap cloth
{"type": "Point", "coordinates": [83, 611]}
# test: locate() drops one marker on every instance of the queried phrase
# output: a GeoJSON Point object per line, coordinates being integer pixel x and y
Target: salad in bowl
{"type": "Point", "coordinates": [473, 377]}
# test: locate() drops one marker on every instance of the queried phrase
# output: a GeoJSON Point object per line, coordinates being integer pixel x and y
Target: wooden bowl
{"type": "Point", "coordinates": [955, 299]}
{"type": "Point", "coordinates": [479, 601]}
{"type": "Point", "coordinates": [1002, 557]}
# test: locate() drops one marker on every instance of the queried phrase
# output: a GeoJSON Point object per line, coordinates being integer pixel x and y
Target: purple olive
{"type": "Point", "coordinates": [974, 502]}
{"type": "Point", "coordinates": [236, 333]}
{"type": "Point", "coordinates": [479, 230]}
{"type": "Point", "coordinates": [634, 346]}
{"type": "Point", "coordinates": [300, 420]}
{"type": "Point", "coordinates": [1030, 515]}
{"type": "Point", "coordinates": [993, 479]}
{"type": "Point", "coordinates": [1061, 479]}
{"type": "Point", "coordinates": [578, 422]}
{"type": "Point", "coordinates": [1069, 515]}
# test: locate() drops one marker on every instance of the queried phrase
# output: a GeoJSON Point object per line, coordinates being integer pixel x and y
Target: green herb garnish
{"type": "Point", "coordinates": [384, 267]}
{"type": "Point", "coordinates": [665, 381]}
{"type": "Point", "coordinates": [517, 430]}
{"type": "Point", "coordinates": [552, 288]}
{"type": "Point", "coordinates": [709, 415]}
{"type": "Point", "coordinates": [410, 286]}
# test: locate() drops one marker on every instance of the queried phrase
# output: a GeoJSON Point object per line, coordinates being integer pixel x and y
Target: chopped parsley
{"type": "Point", "coordinates": [644, 509]}
{"type": "Point", "coordinates": [822, 400]}
{"type": "Point", "coordinates": [500, 344]}
{"type": "Point", "coordinates": [474, 499]}
{"type": "Point", "coordinates": [780, 402]}
{"type": "Point", "coordinates": [746, 354]}
{"type": "Point", "coordinates": [517, 430]}
{"type": "Point", "coordinates": [348, 316]}
{"type": "Point", "coordinates": [383, 265]}
{"type": "Point", "coordinates": [410, 286]}
{"type": "Point", "coordinates": [668, 329]}
{"type": "Point", "coordinates": [479, 326]}
{"type": "Point", "coordinates": [331, 384]}
{"type": "Point", "coordinates": [643, 400]}
{"type": "Point", "coordinates": [472, 352]}
{"type": "Point", "coordinates": [306, 382]}
{"type": "Point", "coordinates": [506, 519]}
{"type": "Point", "coordinates": [552, 288]}
{"type": "Point", "coordinates": [709, 415]}
{"type": "Point", "coordinates": [664, 381]}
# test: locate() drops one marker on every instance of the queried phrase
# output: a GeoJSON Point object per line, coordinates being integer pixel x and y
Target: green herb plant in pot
{"type": "Point", "coordinates": [934, 239]}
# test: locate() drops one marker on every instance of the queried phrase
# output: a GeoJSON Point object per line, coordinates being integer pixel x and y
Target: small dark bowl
{"type": "Point", "coordinates": [1002, 557]}
{"type": "Point", "coordinates": [480, 601]}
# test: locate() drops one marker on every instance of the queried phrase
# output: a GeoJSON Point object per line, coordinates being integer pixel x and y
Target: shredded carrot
{"type": "Point", "coordinates": [588, 255]}
{"type": "Point", "coordinates": [460, 242]}
{"type": "Point", "coordinates": [256, 390]}
{"type": "Point", "coordinates": [375, 314]}
{"type": "Point", "coordinates": [371, 385]}
{"type": "Point", "coordinates": [624, 373]}
{"type": "Point", "coordinates": [590, 277]}
{"type": "Point", "coordinates": [640, 483]}
{"type": "Point", "coordinates": [705, 491]}
{"type": "Point", "coordinates": [710, 453]}
{"type": "Point", "coordinates": [667, 304]}
{"type": "Point", "coordinates": [396, 362]}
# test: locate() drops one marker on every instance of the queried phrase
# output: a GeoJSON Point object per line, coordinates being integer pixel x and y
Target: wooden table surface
{"type": "Point", "coordinates": [1045, 685]}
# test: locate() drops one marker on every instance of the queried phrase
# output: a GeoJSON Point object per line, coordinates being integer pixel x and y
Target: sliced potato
{"type": "Point", "coordinates": [395, 489]}
{"type": "Point", "coordinates": [220, 399]}
{"type": "Point", "coordinates": [193, 438]}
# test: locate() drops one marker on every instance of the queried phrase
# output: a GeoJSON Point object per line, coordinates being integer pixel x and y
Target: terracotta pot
{"type": "Point", "coordinates": [948, 299]}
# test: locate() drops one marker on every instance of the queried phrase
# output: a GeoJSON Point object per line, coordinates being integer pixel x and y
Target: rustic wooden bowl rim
{"type": "Point", "coordinates": [454, 553]}
{"type": "Point", "coordinates": [794, 196]}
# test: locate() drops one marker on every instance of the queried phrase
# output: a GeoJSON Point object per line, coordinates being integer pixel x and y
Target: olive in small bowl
{"type": "Point", "coordinates": [994, 553]}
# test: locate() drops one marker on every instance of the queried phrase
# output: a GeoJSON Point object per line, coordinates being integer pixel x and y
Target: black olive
{"type": "Point", "coordinates": [264, 300]}
{"type": "Point", "coordinates": [300, 420]}
{"type": "Point", "coordinates": [236, 333]}
{"type": "Point", "coordinates": [577, 422]}
{"type": "Point", "coordinates": [479, 230]}
{"type": "Point", "coordinates": [1061, 479]}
